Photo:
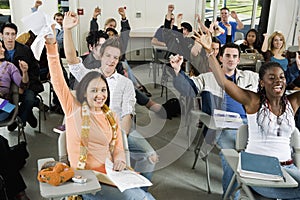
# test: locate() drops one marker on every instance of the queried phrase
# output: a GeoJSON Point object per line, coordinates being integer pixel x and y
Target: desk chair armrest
{"type": "Point", "coordinates": [126, 148]}
{"type": "Point", "coordinates": [62, 148]}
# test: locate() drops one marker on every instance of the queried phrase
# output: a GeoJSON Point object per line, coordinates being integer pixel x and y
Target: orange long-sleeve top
{"type": "Point", "coordinates": [100, 133]}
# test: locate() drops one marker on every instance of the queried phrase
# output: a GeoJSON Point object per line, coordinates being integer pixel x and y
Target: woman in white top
{"type": "Point", "coordinates": [270, 114]}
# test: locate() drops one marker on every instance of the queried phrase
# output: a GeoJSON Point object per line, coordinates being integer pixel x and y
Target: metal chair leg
{"type": "Point", "coordinates": [198, 146]}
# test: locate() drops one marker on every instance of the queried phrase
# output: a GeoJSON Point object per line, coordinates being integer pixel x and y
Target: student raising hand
{"type": "Point", "coordinates": [70, 20]}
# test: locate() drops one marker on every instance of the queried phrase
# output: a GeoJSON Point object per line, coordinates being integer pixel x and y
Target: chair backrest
{"type": "Point", "coordinates": [63, 154]}
{"type": "Point", "coordinates": [238, 36]}
{"type": "Point", "coordinates": [295, 143]}
{"type": "Point", "coordinates": [62, 148]}
{"type": "Point", "coordinates": [126, 148]}
{"type": "Point", "coordinates": [242, 140]}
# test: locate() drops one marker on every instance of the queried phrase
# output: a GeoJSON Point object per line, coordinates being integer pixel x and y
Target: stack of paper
{"type": "Point", "coordinates": [259, 167]}
{"type": "Point", "coordinates": [225, 119]}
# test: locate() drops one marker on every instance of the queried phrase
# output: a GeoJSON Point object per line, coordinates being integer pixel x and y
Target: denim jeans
{"type": "Point", "coordinates": [140, 151]}
{"type": "Point", "coordinates": [283, 193]}
{"type": "Point", "coordinates": [113, 193]}
{"type": "Point", "coordinates": [226, 140]}
{"type": "Point", "coordinates": [4, 115]}
{"type": "Point", "coordinates": [29, 100]}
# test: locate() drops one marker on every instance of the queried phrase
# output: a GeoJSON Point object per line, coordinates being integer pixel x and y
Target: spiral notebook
{"type": "Point", "coordinates": [259, 167]}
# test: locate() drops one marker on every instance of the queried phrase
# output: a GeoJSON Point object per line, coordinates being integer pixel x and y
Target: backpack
{"type": "Point", "coordinates": [172, 107]}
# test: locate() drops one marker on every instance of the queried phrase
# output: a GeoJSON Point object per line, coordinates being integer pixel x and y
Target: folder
{"type": "Point", "coordinates": [6, 106]}
{"type": "Point", "coordinates": [259, 167]}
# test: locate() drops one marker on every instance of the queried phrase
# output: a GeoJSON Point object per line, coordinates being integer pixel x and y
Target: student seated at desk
{"type": "Point", "coordinates": [92, 131]}
{"type": "Point", "coordinates": [270, 114]}
{"type": "Point", "coordinates": [251, 42]}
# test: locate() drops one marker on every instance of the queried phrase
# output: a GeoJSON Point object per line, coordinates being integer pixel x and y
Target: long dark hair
{"type": "Point", "coordinates": [83, 84]}
{"type": "Point", "coordinates": [257, 43]}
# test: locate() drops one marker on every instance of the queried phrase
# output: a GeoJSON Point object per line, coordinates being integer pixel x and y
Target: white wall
{"type": "Point", "coordinates": [22, 8]}
{"type": "Point", "coordinates": [282, 18]}
{"type": "Point", "coordinates": [152, 13]}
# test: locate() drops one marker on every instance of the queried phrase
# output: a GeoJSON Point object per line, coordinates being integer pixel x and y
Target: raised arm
{"type": "Point", "coordinates": [240, 24]}
{"type": "Point", "coordinates": [200, 24]}
{"type": "Point", "coordinates": [36, 6]}
{"type": "Point", "coordinates": [93, 24]}
{"type": "Point", "coordinates": [182, 82]}
{"type": "Point", "coordinates": [76, 67]}
{"type": "Point", "coordinates": [178, 21]}
{"type": "Point", "coordinates": [170, 12]}
{"type": "Point", "coordinates": [125, 31]}
{"type": "Point", "coordinates": [70, 21]}
{"type": "Point", "coordinates": [25, 78]}
{"type": "Point", "coordinates": [264, 47]}
{"type": "Point", "coordinates": [57, 79]}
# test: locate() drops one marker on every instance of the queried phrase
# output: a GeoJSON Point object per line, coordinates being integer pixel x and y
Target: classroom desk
{"type": "Point", "coordinates": [232, 157]}
{"type": "Point", "coordinates": [69, 188]}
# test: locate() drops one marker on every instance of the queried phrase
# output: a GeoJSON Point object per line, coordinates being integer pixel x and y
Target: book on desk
{"type": "Point", "coordinates": [259, 167]}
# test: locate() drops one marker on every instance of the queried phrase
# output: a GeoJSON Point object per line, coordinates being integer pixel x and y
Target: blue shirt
{"type": "Point", "coordinates": [222, 37]}
{"type": "Point", "coordinates": [283, 62]}
{"type": "Point", "coordinates": [232, 105]}
{"type": "Point", "coordinates": [10, 54]}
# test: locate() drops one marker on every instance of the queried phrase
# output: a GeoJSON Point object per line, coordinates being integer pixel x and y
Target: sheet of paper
{"type": "Point", "coordinates": [40, 24]}
{"type": "Point", "coordinates": [125, 179]}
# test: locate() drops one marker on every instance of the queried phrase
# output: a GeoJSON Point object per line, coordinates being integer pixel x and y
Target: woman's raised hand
{"type": "Point", "coordinates": [70, 20]}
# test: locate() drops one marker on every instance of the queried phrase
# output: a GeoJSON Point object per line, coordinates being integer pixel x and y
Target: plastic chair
{"type": "Point", "coordinates": [158, 59]}
{"type": "Point", "coordinates": [238, 36]}
{"type": "Point", "coordinates": [63, 154]}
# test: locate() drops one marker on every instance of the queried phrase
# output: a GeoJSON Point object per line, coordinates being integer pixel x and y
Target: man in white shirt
{"type": "Point", "coordinates": [121, 90]}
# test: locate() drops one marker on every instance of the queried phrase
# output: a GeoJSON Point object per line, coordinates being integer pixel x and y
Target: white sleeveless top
{"type": "Point", "coordinates": [272, 138]}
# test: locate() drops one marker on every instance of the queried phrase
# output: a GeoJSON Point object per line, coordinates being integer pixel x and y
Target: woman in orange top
{"type": "Point", "coordinates": [92, 133]}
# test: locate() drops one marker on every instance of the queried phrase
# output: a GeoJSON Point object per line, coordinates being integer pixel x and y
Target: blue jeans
{"type": "Point", "coordinates": [29, 100]}
{"type": "Point", "coordinates": [283, 193]}
{"type": "Point", "coordinates": [4, 115]}
{"type": "Point", "coordinates": [226, 140]}
{"type": "Point", "coordinates": [140, 151]}
{"type": "Point", "coordinates": [113, 193]}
